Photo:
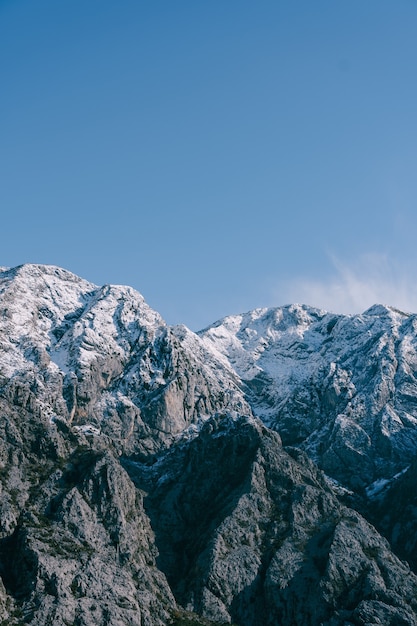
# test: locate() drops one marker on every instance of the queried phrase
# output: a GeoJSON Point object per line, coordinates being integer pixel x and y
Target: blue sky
{"type": "Point", "coordinates": [217, 156]}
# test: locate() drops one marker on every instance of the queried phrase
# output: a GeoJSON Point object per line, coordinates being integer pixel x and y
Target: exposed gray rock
{"type": "Point", "coordinates": [248, 533]}
{"type": "Point", "coordinates": [393, 510]}
{"type": "Point", "coordinates": [77, 546]}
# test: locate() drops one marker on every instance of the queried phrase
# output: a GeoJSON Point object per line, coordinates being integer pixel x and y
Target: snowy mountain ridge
{"type": "Point", "coordinates": [152, 476]}
{"type": "Point", "coordinates": [340, 386]}
{"type": "Point", "coordinates": [47, 304]}
{"type": "Point", "coordinates": [105, 352]}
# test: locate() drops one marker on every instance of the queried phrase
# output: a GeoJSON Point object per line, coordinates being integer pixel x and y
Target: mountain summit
{"type": "Point", "coordinates": [259, 472]}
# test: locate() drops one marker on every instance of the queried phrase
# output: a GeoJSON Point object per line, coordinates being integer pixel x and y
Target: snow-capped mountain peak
{"type": "Point", "coordinates": [145, 468]}
{"type": "Point", "coordinates": [96, 351]}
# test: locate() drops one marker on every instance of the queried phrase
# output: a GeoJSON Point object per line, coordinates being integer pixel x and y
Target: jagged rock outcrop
{"type": "Point", "coordinates": [249, 533]}
{"type": "Point", "coordinates": [392, 508]}
{"type": "Point", "coordinates": [76, 546]}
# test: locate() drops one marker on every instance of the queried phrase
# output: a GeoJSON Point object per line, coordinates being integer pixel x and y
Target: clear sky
{"type": "Point", "coordinates": [216, 155]}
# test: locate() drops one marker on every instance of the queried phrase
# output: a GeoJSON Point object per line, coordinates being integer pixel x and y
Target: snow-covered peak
{"type": "Point", "coordinates": [46, 308]}
{"type": "Point", "coordinates": [27, 288]}
{"type": "Point", "coordinates": [277, 341]}
{"type": "Point", "coordinates": [246, 340]}
{"type": "Point", "coordinates": [384, 310]}
{"type": "Point", "coordinates": [342, 386]}
{"type": "Point", "coordinates": [102, 359]}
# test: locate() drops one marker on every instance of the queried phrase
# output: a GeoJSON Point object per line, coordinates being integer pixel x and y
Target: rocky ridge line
{"type": "Point", "coordinates": [138, 488]}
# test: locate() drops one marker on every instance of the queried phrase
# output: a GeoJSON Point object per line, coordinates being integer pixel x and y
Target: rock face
{"type": "Point", "coordinates": [76, 544]}
{"type": "Point", "coordinates": [393, 510]}
{"type": "Point", "coordinates": [275, 546]}
{"type": "Point", "coordinates": [151, 476]}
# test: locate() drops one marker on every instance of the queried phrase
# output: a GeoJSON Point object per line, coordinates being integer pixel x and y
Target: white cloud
{"type": "Point", "coordinates": [352, 288]}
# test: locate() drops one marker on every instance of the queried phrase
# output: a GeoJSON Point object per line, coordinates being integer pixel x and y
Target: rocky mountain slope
{"type": "Point", "coordinates": [342, 388]}
{"type": "Point", "coordinates": [105, 362]}
{"type": "Point", "coordinates": [260, 472]}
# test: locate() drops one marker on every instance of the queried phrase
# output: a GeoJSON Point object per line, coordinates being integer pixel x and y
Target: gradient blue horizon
{"type": "Point", "coordinates": [212, 155]}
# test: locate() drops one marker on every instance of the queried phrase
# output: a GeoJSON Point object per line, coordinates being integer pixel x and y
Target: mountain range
{"type": "Point", "coordinates": [260, 472]}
